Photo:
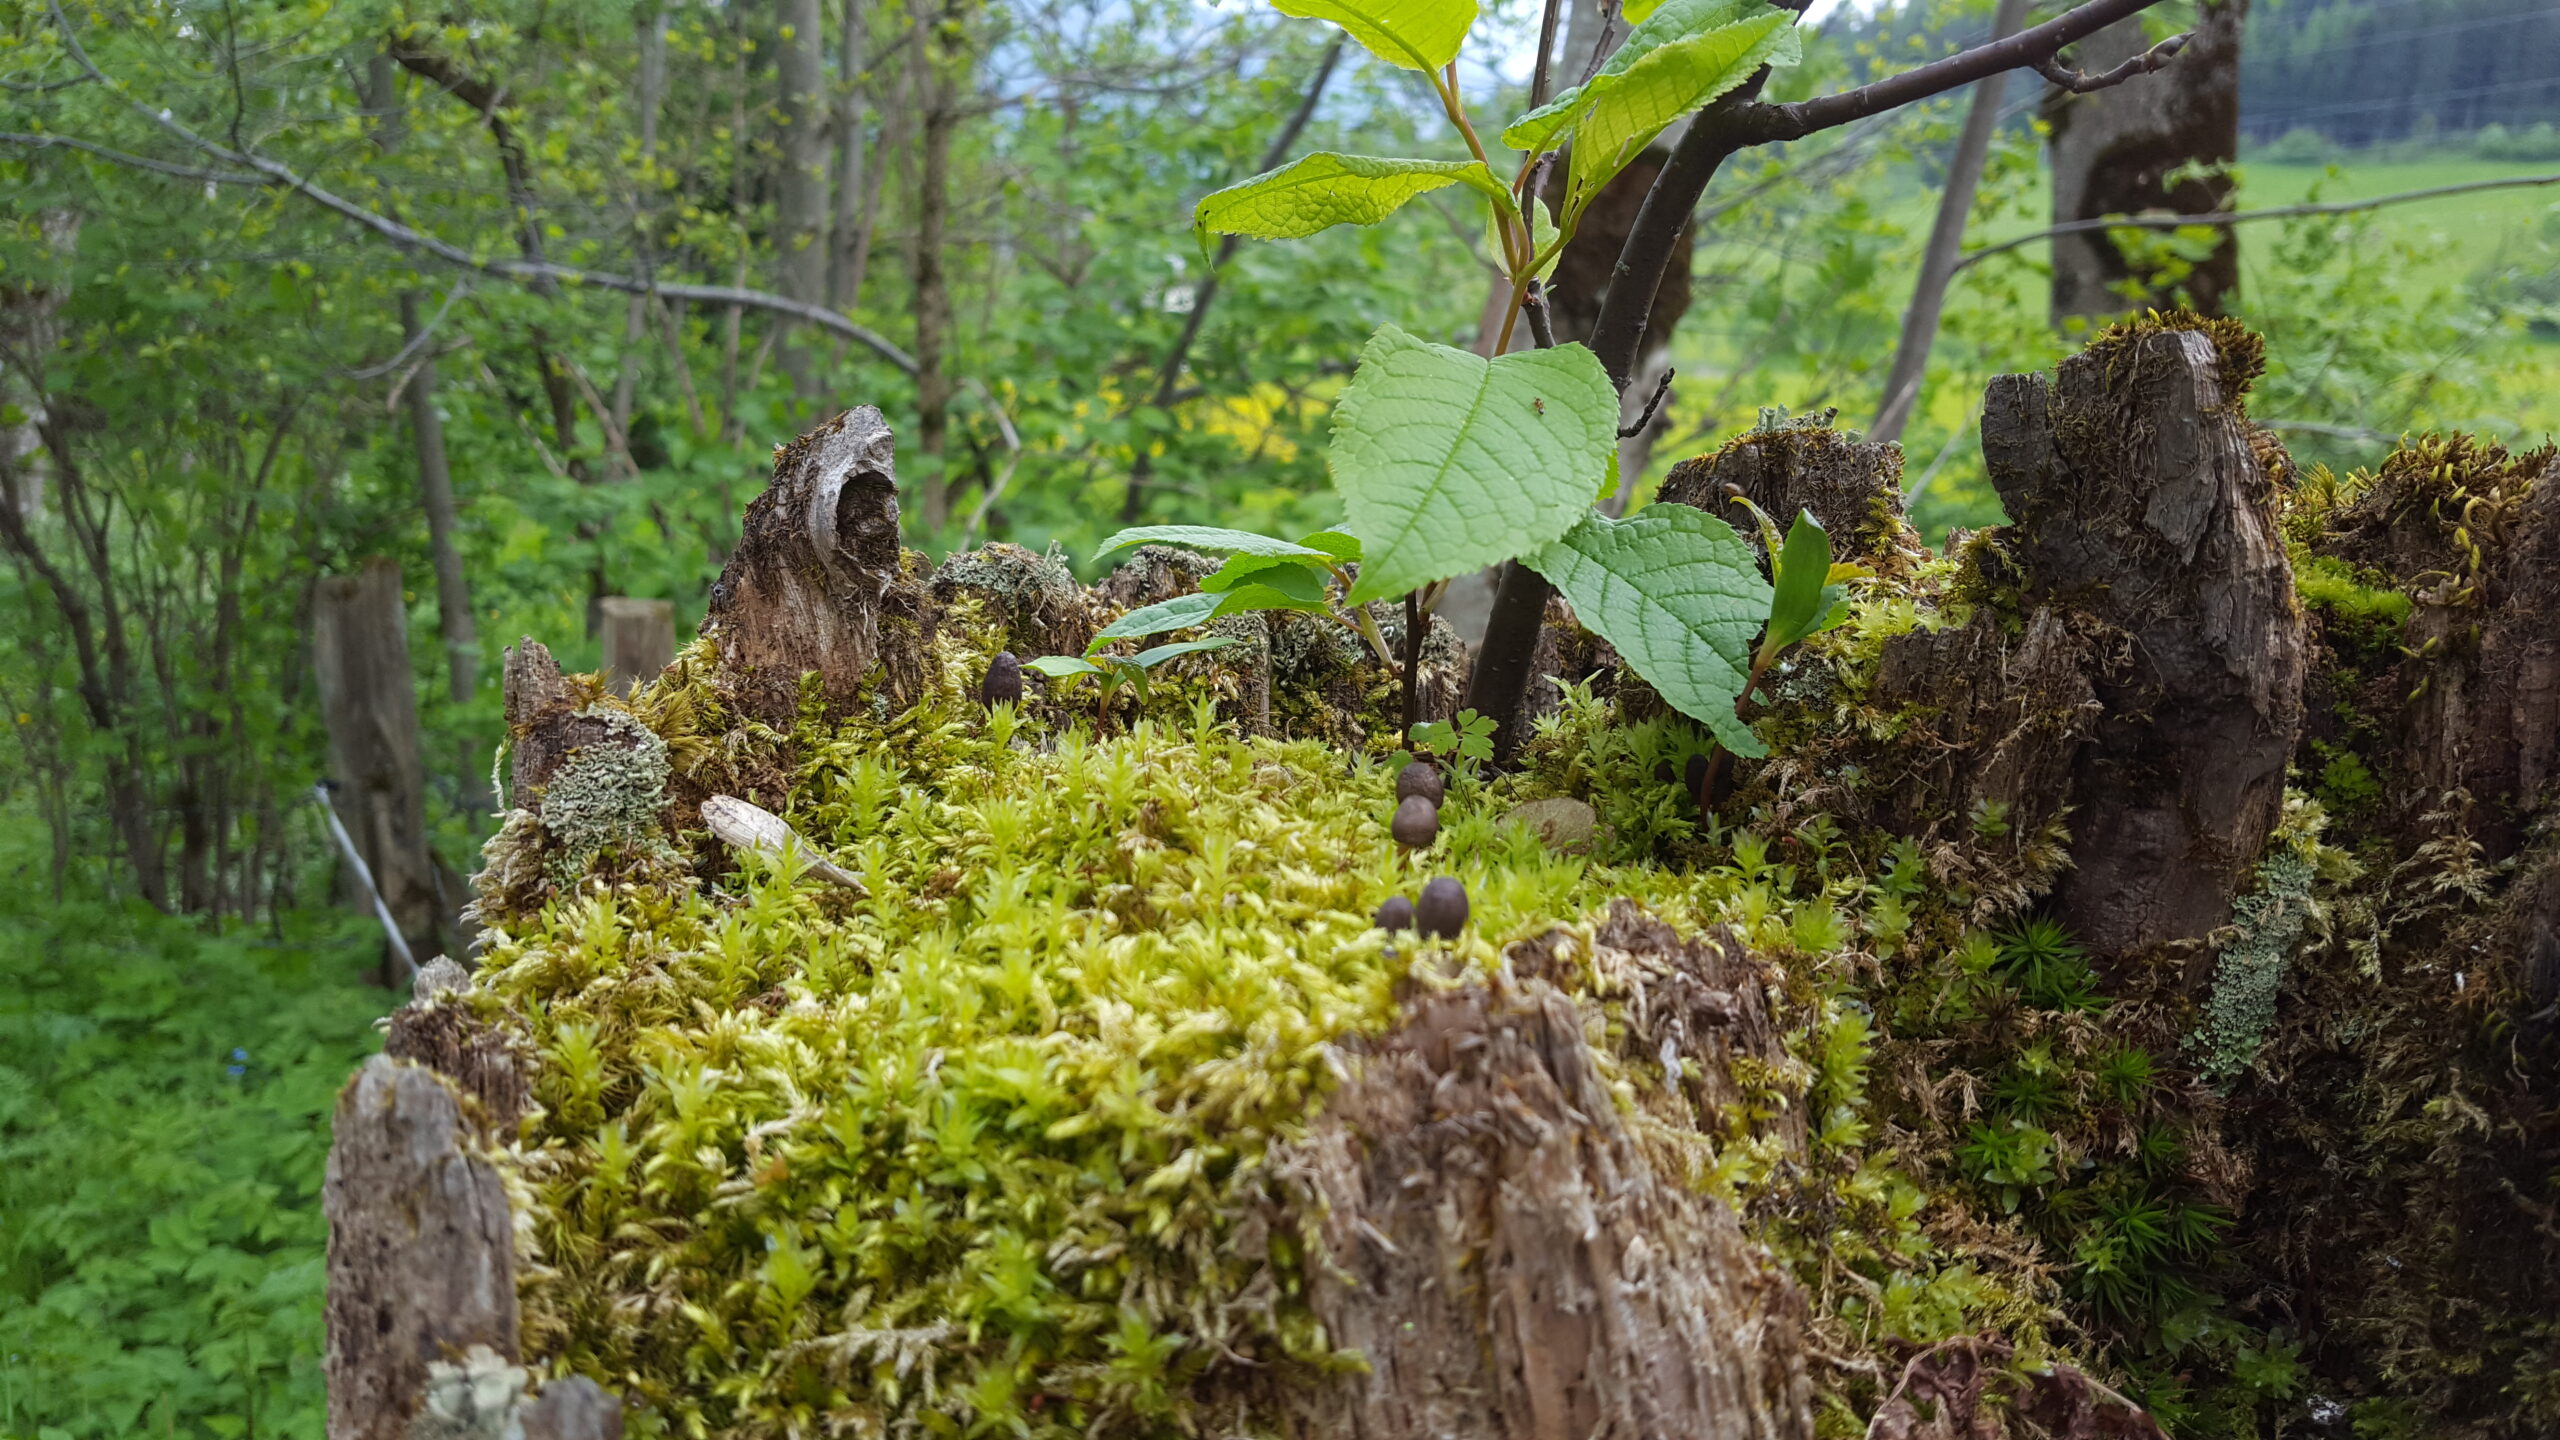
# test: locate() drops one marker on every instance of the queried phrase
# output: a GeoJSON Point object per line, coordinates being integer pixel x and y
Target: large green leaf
{"type": "Point", "coordinates": [1414, 34]}
{"type": "Point", "coordinates": [1179, 613]}
{"type": "Point", "coordinates": [1670, 80]}
{"type": "Point", "coordinates": [1801, 573]}
{"type": "Point", "coordinates": [1680, 596]}
{"type": "Point", "coordinates": [1204, 537]}
{"type": "Point", "coordinates": [1448, 462]}
{"type": "Point", "coordinates": [1686, 53]}
{"type": "Point", "coordinates": [1320, 191]}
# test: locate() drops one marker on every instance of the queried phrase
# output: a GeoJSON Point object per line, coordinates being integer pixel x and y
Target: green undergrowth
{"type": "Point", "coordinates": [987, 1148]}
{"type": "Point", "coordinates": [164, 1101]}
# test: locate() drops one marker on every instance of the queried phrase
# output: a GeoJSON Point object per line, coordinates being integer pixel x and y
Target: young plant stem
{"type": "Point", "coordinates": [1715, 762]}
{"type": "Point", "coordinates": [1502, 673]}
{"type": "Point", "coordinates": [1415, 617]}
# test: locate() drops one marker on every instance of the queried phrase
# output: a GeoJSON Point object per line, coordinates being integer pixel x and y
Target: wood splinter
{"type": "Point", "coordinates": [746, 827]}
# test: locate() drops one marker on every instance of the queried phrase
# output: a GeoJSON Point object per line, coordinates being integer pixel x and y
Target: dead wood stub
{"type": "Point", "coordinates": [2141, 501]}
{"type": "Point", "coordinates": [1853, 489]}
{"type": "Point", "coordinates": [818, 583]}
{"type": "Point", "coordinates": [421, 1260]}
{"type": "Point", "coordinates": [1501, 1251]}
{"type": "Point", "coordinates": [1969, 1388]}
{"type": "Point", "coordinates": [2468, 700]}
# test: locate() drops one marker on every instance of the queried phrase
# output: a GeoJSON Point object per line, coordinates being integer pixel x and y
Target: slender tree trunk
{"type": "Point", "coordinates": [1946, 240]}
{"type": "Point", "coordinates": [800, 208]}
{"type": "Point", "coordinates": [1169, 374]}
{"type": "Point", "coordinates": [639, 641]}
{"type": "Point", "coordinates": [435, 490]}
{"type": "Point", "coordinates": [849, 243]}
{"type": "Point", "coordinates": [939, 91]}
{"type": "Point", "coordinates": [649, 97]}
{"type": "Point", "coordinates": [2139, 147]}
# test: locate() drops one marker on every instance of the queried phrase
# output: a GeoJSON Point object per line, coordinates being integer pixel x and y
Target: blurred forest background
{"type": "Point", "coordinates": [287, 287]}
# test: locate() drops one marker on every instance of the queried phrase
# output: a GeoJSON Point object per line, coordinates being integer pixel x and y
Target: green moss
{"type": "Point", "coordinates": [2362, 605]}
{"type": "Point", "coordinates": [2241, 350]}
{"type": "Point", "coordinates": [984, 1147]}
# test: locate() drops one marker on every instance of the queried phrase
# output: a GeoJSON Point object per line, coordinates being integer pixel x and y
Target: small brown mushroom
{"type": "Point", "coordinates": [1417, 822]}
{"type": "Point", "coordinates": [1424, 779]}
{"type": "Point", "coordinates": [1003, 685]}
{"type": "Point", "coordinates": [1442, 911]}
{"type": "Point", "coordinates": [1396, 914]}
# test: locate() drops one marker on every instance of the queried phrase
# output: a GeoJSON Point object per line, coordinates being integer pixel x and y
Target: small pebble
{"type": "Point", "coordinates": [1424, 779]}
{"type": "Point", "coordinates": [1004, 680]}
{"type": "Point", "coordinates": [1417, 822]}
{"type": "Point", "coordinates": [1396, 914]}
{"type": "Point", "coordinates": [1442, 912]}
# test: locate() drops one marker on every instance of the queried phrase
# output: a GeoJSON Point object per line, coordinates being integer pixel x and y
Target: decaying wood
{"type": "Point", "coordinates": [1503, 1253]}
{"type": "Point", "coordinates": [1971, 1388]}
{"type": "Point", "coordinates": [639, 640]}
{"type": "Point", "coordinates": [2470, 700]}
{"type": "Point", "coordinates": [751, 828]}
{"type": "Point", "coordinates": [818, 583]}
{"type": "Point", "coordinates": [575, 1408]}
{"type": "Point", "coordinates": [1852, 488]}
{"type": "Point", "coordinates": [2141, 500]}
{"type": "Point", "coordinates": [369, 704]}
{"type": "Point", "coordinates": [439, 1030]}
{"type": "Point", "coordinates": [546, 724]}
{"type": "Point", "coordinates": [421, 1258]}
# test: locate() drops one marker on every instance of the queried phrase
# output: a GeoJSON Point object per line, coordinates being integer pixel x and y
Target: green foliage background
{"type": "Point", "coordinates": [164, 1102]}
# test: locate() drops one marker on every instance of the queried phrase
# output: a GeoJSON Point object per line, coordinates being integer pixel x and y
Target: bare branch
{"type": "Point", "coordinates": [2235, 217]}
{"type": "Point", "coordinates": [131, 162]}
{"type": "Point", "coordinates": [1661, 391]}
{"type": "Point", "coordinates": [532, 275]}
{"type": "Point", "coordinates": [2026, 49]}
{"type": "Point", "coordinates": [2081, 83]}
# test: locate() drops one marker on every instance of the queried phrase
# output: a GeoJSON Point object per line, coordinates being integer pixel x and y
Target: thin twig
{"type": "Point", "coordinates": [536, 276]}
{"type": "Point", "coordinates": [1661, 390]}
{"type": "Point", "coordinates": [2082, 83]}
{"type": "Point", "coordinates": [2236, 217]}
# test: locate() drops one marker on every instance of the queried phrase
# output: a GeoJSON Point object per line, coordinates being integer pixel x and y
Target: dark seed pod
{"type": "Point", "coordinates": [1664, 774]}
{"type": "Point", "coordinates": [1442, 912]}
{"type": "Point", "coordinates": [1004, 680]}
{"type": "Point", "coordinates": [1424, 779]}
{"type": "Point", "coordinates": [1696, 774]}
{"type": "Point", "coordinates": [1417, 822]}
{"type": "Point", "coordinates": [1396, 914]}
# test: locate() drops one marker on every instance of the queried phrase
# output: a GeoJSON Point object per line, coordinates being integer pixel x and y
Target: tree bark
{"type": "Point", "coordinates": [649, 96]}
{"type": "Point", "coordinates": [1946, 241]}
{"type": "Point", "coordinates": [2137, 147]}
{"type": "Point", "coordinates": [938, 90]}
{"type": "Point", "coordinates": [421, 1247]}
{"type": "Point", "coordinates": [639, 641]}
{"type": "Point", "coordinates": [849, 242]}
{"type": "Point", "coordinates": [435, 490]}
{"type": "Point", "coordinates": [800, 204]}
{"type": "Point", "coordinates": [360, 654]}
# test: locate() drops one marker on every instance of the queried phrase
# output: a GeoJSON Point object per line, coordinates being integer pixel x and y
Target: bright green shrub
{"type": "Point", "coordinates": [164, 1105]}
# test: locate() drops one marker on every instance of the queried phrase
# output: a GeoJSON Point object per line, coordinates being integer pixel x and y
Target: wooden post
{"type": "Point", "coordinates": [639, 641]}
{"type": "Point", "coordinates": [421, 1247]}
{"type": "Point", "coordinates": [369, 703]}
